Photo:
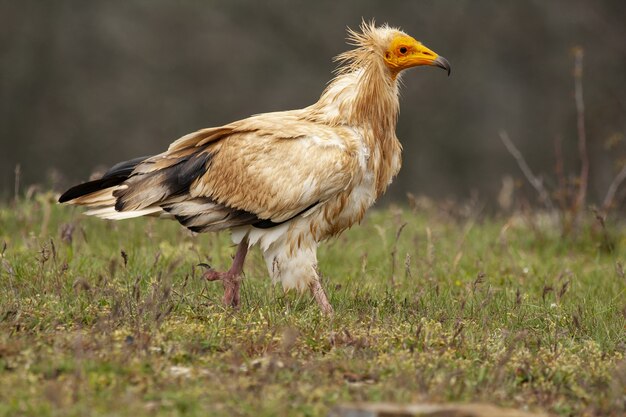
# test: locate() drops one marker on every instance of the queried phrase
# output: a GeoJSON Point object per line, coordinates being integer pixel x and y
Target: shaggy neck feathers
{"type": "Point", "coordinates": [364, 95]}
{"type": "Point", "coordinates": [364, 92]}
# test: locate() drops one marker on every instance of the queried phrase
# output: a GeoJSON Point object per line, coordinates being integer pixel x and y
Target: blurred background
{"type": "Point", "coordinates": [85, 84]}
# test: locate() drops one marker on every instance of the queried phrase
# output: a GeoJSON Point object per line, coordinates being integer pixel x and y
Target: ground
{"type": "Point", "coordinates": [436, 304]}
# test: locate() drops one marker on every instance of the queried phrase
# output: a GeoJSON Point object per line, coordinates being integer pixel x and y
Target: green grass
{"type": "Point", "coordinates": [453, 308]}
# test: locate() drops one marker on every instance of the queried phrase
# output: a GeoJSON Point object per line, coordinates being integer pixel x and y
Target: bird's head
{"type": "Point", "coordinates": [391, 46]}
{"type": "Point", "coordinates": [402, 52]}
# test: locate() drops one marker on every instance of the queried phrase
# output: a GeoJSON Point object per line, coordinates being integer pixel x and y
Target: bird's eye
{"type": "Point", "coordinates": [403, 50]}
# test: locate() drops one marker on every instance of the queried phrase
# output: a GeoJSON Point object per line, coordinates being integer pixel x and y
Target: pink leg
{"type": "Point", "coordinates": [231, 279]}
{"type": "Point", "coordinates": [320, 297]}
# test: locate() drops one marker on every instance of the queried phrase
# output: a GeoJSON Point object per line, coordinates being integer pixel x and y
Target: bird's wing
{"type": "Point", "coordinates": [265, 169]}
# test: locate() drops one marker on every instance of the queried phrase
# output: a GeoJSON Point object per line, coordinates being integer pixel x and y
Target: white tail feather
{"type": "Point", "coordinates": [111, 214]}
{"type": "Point", "coordinates": [98, 198]}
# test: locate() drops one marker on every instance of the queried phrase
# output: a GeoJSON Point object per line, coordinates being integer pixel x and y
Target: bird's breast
{"type": "Point", "coordinates": [349, 206]}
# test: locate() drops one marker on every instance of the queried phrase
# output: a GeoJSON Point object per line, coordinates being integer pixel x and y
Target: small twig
{"type": "Point", "coordinates": [610, 193]}
{"type": "Point", "coordinates": [532, 178]}
{"type": "Point", "coordinates": [582, 136]}
{"type": "Point", "coordinates": [559, 170]}
{"type": "Point", "coordinates": [18, 174]}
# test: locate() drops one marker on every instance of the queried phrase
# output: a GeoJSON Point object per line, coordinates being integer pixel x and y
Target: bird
{"type": "Point", "coordinates": [283, 181]}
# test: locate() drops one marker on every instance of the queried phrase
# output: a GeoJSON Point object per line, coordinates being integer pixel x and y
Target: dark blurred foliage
{"type": "Point", "coordinates": [85, 84]}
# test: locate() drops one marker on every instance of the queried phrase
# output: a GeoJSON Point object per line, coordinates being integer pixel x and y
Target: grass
{"type": "Point", "coordinates": [101, 318]}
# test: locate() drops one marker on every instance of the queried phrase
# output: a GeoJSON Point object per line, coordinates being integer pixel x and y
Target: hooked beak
{"type": "Point", "coordinates": [441, 62]}
{"type": "Point", "coordinates": [425, 56]}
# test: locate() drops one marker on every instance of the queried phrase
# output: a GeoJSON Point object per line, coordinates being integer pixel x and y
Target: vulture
{"type": "Point", "coordinates": [284, 181]}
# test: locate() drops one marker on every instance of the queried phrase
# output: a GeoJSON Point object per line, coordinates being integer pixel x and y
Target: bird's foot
{"type": "Point", "coordinates": [231, 279]}
{"type": "Point", "coordinates": [231, 282]}
{"type": "Point", "coordinates": [320, 296]}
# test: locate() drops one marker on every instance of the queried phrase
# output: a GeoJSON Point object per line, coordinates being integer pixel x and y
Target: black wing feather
{"type": "Point", "coordinates": [114, 176]}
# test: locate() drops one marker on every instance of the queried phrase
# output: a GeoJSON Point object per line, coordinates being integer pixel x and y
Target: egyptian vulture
{"type": "Point", "coordinates": [284, 181]}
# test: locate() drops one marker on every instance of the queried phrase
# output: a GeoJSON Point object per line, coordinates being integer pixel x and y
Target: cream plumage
{"type": "Point", "coordinates": [284, 181]}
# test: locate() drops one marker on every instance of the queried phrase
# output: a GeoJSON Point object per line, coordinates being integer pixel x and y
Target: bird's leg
{"type": "Point", "coordinates": [320, 296]}
{"type": "Point", "coordinates": [231, 279]}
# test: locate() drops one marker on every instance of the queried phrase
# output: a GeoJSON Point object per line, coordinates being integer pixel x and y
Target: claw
{"type": "Point", "coordinates": [204, 265]}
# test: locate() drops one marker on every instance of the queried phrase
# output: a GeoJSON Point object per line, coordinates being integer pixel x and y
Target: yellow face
{"type": "Point", "coordinates": [405, 52]}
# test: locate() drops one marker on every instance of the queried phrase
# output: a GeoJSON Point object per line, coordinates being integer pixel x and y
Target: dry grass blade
{"type": "Point", "coordinates": [394, 252]}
